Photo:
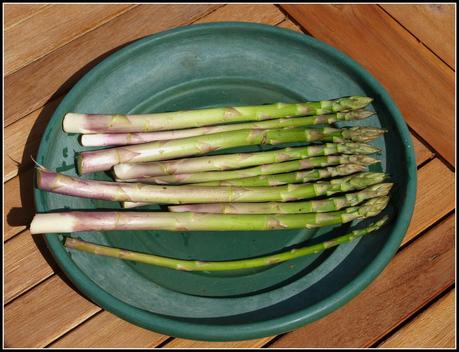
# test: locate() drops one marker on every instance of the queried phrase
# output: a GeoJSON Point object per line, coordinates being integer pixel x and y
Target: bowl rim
{"type": "Point", "coordinates": [285, 323]}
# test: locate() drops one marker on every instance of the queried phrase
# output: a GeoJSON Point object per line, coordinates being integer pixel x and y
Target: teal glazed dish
{"type": "Point", "coordinates": [210, 65]}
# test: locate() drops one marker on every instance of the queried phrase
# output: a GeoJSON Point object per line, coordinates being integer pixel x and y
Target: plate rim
{"type": "Point", "coordinates": [285, 323]}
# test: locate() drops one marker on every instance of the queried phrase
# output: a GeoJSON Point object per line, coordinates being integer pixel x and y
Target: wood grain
{"type": "Point", "coordinates": [45, 313]}
{"type": "Point", "coordinates": [433, 328]}
{"type": "Point", "coordinates": [19, 206]}
{"type": "Point", "coordinates": [24, 267]}
{"type": "Point", "coordinates": [258, 13]}
{"type": "Point", "coordinates": [14, 14]}
{"type": "Point", "coordinates": [422, 152]}
{"type": "Point", "coordinates": [420, 83]}
{"type": "Point", "coordinates": [432, 24]}
{"type": "Point", "coordinates": [416, 275]}
{"type": "Point", "coordinates": [106, 330]}
{"type": "Point", "coordinates": [290, 25]}
{"type": "Point", "coordinates": [52, 28]}
{"type": "Point", "coordinates": [23, 137]}
{"type": "Point", "coordinates": [432, 197]}
{"type": "Point", "coordinates": [184, 343]}
{"type": "Point", "coordinates": [31, 87]}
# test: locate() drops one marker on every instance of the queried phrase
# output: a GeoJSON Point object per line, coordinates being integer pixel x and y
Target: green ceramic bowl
{"type": "Point", "coordinates": [210, 65]}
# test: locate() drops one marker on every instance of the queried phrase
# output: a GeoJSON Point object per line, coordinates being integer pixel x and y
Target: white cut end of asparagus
{"type": "Point", "coordinates": [52, 223]}
{"type": "Point", "coordinates": [91, 140]}
{"type": "Point", "coordinates": [73, 122]}
{"type": "Point", "coordinates": [127, 205]}
{"type": "Point", "coordinates": [122, 171]}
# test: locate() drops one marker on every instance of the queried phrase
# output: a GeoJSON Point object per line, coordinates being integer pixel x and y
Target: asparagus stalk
{"type": "Point", "coordinates": [117, 139]}
{"type": "Point", "coordinates": [197, 265]}
{"type": "Point", "coordinates": [99, 123]}
{"type": "Point", "coordinates": [312, 206]}
{"type": "Point", "coordinates": [251, 176]}
{"type": "Point", "coordinates": [289, 177]}
{"type": "Point", "coordinates": [78, 221]}
{"type": "Point", "coordinates": [138, 192]}
{"type": "Point", "coordinates": [126, 171]}
{"type": "Point", "coordinates": [101, 160]}
{"type": "Point", "coordinates": [280, 179]}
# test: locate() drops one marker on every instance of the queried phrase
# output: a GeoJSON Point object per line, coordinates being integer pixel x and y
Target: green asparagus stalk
{"type": "Point", "coordinates": [253, 174]}
{"type": "Point", "coordinates": [280, 179]}
{"type": "Point", "coordinates": [125, 171]}
{"type": "Point", "coordinates": [311, 206]}
{"type": "Point", "coordinates": [101, 160]}
{"type": "Point", "coordinates": [289, 177]}
{"type": "Point", "coordinates": [81, 221]}
{"type": "Point", "coordinates": [197, 265]}
{"type": "Point", "coordinates": [138, 192]}
{"type": "Point", "coordinates": [99, 123]}
{"type": "Point", "coordinates": [117, 139]}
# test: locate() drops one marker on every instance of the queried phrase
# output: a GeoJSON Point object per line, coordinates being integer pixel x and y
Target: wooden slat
{"type": "Point", "coordinates": [416, 275]}
{"type": "Point", "coordinates": [290, 25]}
{"type": "Point", "coordinates": [25, 266]}
{"type": "Point", "coordinates": [53, 27]}
{"type": "Point", "coordinates": [258, 13]}
{"type": "Point", "coordinates": [433, 328]}
{"type": "Point", "coordinates": [106, 330]}
{"type": "Point", "coordinates": [14, 14]}
{"type": "Point", "coordinates": [420, 83]}
{"type": "Point", "coordinates": [432, 24]}
{"type": "Point", "coordinates": [430, 207]}
{"type": "Point", "coordinates": [31, 87]}
{"type": "Point", "coordinates": [23, 137]}
{"type": "Point", "coordinates": [19, 206]}
{"type": "Point", "coordinates": [435, 195]}
{"type": "Point", "coordinates": [184, 343]}
{"type": "Point", "coordinates": [40, 316]}
{"type": "Point", "coordinates": [422, 152]}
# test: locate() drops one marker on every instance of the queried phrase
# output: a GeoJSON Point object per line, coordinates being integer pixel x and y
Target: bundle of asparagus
{"type": "Point", "coordinates": [160, 158]}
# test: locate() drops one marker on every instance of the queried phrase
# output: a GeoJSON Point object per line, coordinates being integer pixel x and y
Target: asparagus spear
{"type": "Point", "coordinates": [138, 192]}
{"type": "Point", "coordinates": [197, 265]}
{"type": "Point", "coordinates": [116, 139]}
{"type": "Point", "coordinates": [98, 123]}
{"type": "Point", "coordinates": [101, 160]}
{"type": "Point", "coordinates": [290, 177]}
{"type": "Point", "coordinates": [280, 179]}
{"type": "Point", "coordinates": [251, 176]}
{"type": "Point", "coordinates": [312, 206]}
{"type": "Point", "coordinates": [126, 171]}
{"type": "Point", "coordinates": [78, 221]}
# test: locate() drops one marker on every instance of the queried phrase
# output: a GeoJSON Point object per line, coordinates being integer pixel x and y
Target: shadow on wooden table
{"type": "Point", "coordinates": [23, 216]}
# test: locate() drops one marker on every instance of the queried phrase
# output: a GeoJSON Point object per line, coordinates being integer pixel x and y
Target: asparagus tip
{"type": "Point", "coordinates": [359, 114]}
{"type": "Point", "coordinates": [374, 206]}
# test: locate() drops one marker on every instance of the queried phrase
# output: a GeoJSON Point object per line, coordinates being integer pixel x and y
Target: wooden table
{"type": "Point", "coordinates": [408, 48]}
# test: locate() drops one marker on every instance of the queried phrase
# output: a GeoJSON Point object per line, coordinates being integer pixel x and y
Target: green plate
{"type": "Point", "coordinates": [220, 64]}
